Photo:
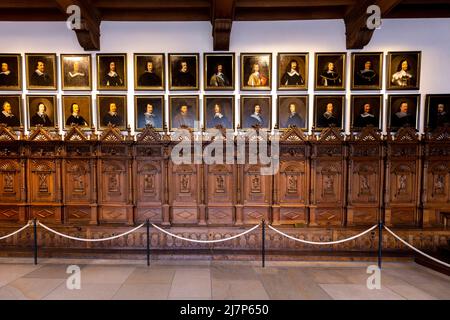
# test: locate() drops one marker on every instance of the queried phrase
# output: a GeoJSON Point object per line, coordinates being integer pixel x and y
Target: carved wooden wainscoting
{"type": "Point", "coordinates": [403, 174]}
{"type": "Point", "coordinates": [13, 163]}
{"type": "Point", "coordinates": [149, 172]}
{"type": "Point", "coordinates": [45, 196]}
{"type": "Point", "coordinates": [365, 187]}
{"type": "Point", "coordinates": [328, 179]}
{"type": "Point", "coordinates": [329, 186]}
{"type": "Point", "coordinates": [436, 178]}
{"type": "Point", "coordinates": [79, 177]}
{"type": "Point", "coordinates": [291, 186]}
{"type": "Point", "coordinates": [114, 174]}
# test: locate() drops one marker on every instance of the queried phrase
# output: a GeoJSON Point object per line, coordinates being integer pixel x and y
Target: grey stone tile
{"type": "Point", "coordinates": [147, 291]}
{"type": "Point", "coordinates": [88, 291]}
{"type": "Point", "coordinates": [191, 282]}
{"type": "Point", "coordinates": [359, 292]}
{"type": "Point", "coordinates": [28, 288]}
{"type": "Point", "coordinates": [238, 290]}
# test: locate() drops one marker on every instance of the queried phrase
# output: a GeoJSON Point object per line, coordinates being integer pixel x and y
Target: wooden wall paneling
{"type": "Point", "coordinates": [114, 176]}
{"type": "Point", "coordinates": [79, 180]}
{"type": "Point", "coordinates": [148, 176]}
{"type": "Point", "coordinates": [328, 179]}
{"type": "Point", "coordinates": [436, 178]}
{"type": "Point", "coordinates": [291, 187]}
{"type": "Point", "coordinates": [403, 179]}
{"type": "Point", "coordinates": [44, 175]}
{"type": "Point", "coordinates": [13, 197]}
{"type": "Point", "coordinates": [365, 178]}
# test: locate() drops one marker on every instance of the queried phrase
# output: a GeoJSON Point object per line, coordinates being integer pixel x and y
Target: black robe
{"type": "Point", "coordinates": [11, 121]}
{"type": "Point", "coordinates": [439, 120]}
{"type": "Point", "coordinates": [398, 122]}
{"type": "Point", "coordinates": [367, 78]}
{"type": "Point", "coordinates": [184, 79]}
{"type": "Point", "coordinates": [42, 80]}
{"type": "Point", "coordinates": [294, 80]}
{"type": "Point", "coordinates": [8, 80]}
{"type": "Point", "coordinates": [76, 120]}
{"type": "Point", "coordinates": [115, 81]}
{"type": "Point", "coordinates": [330, 79]}
{"type": "Point", "coordinates": [112, 119]}
{"type": "Point", "coordinates": [149, 79]}
{"type": "Point", "coordinates": [362, 122]}
{"type": "Point", "coordinates": [43, 120]}
{"type": "Point", "coordinates": [324, 122]}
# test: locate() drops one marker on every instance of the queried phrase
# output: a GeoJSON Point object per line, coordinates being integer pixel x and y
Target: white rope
{"type": "Point", "coordinates": [90, 240]}
{"type": "Point", "coordinates": [17, 231]}
{"type": "Point", "coordinates": [205, 241]}
{"type": "Point", "coordinates": [323, 243]}
{"type": "Point", "coordinates": [417, 250]}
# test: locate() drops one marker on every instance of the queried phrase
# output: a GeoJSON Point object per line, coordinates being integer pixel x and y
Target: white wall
{"type": "Point", "coordinates": [431, 36]}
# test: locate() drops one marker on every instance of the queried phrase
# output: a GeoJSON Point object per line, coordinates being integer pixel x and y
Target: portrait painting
{"type": "Point", "coordinates": [218, 71]}
{"type": "Point", "coordinates": [183, 112]}
{"type": "Point", "coordinates": [329, 111]}
{"type": "Point", "coordinates": [367, 71]}
{"type": "Point", "coordinates": [256, 111]}
{"type": "Point", "coordinates": [330, 71]}
{"type": "Point", "coordinates": [42, 111]}
{"type": "Point", "coordinates": [292, 112]}
{"type": "Point", "coordinates": [11, 110]}
{"type": "Point", "coordinates": [403, 111]}
{"type": "Point", "coordinates": [11, 72]}
{"type": "Point", "coordinates": [256, 69]}
{"type": "Point", "coordinates": [366, 110]}
{"type": "Point", "coordinates": [76, 72]}
{"type": "Point", "coordinates": [183, 71]}
{"type": "Point", "coordinates": [149, 111]}
{"type": "Point", "coordinates": [293, 71]}
{"type": "Point", "coordinates": [437, 110]}
{"type": "Point", "coordinates": [218, 112]}
{"type": "Point", "coordinates": [77, 111]}
{"type": "Point", "coordinates": [403, 70]}
{"type": "Point", "coordinates": [112, 110]}
{"type": "Point", "coordinates": [149, 71]}
{"type": "Point", "coordinates": [41, 71]}
{"type": "Point", "coordinates": [112, 72]}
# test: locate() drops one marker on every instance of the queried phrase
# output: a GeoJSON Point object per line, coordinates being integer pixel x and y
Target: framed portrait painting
{"type": "Point", "coordinates": [112, 72]}
{"type": "Point", "coordinates": [183, 71]}
{"type": "Point", "coordinates": [77, 111]}
{"type": "Point", "coordinates": [256, 111]}
{"type": "Point", "coordinates": [149, 111]}
{"type": "Point", "coordinates": [218, 112]}
{"type": "Point", "coordinates": [403, 111]}
{"type": "Point", "coordinates": [112, 110]}
{"type": "Point", "coordinates": [330, 71]}
{"type": "Point", "coordinates": [76, 72]}
{"type": "Point", "coordinates": [11, 110]}
{"type": "Point", "coordinates": [366, 110]}
{"type": "Point", "coordinates": [256, 71]}
{"type": "Point", "coordinates": [41, 71]}
{"type": "Point", "coordinates": [329, 111]}
{"type": "Point", "coordinates": [218, 71]}
{"type": "Point", "coordinates": [149, 71]}
{"type": "Point", "coordinates": [183, 112]}
{"type": "Point", "coordinates": [437, 111]}
{"type": "Point", "coordinates": [367, 71]}
{"type": "Point", "coordinates": [403, 70]}
{"type": "Point", "coordinates": [292, 71]}
{"type": "Point", "coordinates": [11, 72]}
{"type": "Point", "coordinates": [42, 111]}
{"type": "Point", "coordinates": [292, 112]}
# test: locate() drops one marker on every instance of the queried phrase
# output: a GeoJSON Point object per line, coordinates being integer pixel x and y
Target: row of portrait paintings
{"type": "Point", "coordinates": [219, 71]}
{"type": "Point", "coordinates": [329, 110]}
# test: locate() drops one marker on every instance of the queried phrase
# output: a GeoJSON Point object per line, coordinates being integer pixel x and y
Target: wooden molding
{"type": "Point", "coordinates": [222, 15]}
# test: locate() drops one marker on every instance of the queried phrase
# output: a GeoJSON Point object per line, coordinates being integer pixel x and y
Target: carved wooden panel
{"type": "Point", "coordinates": [184, 187]}
{"type": "Point", "coordinates": [78, 181]}
{"type": "Point", "coordinates": [10, 180]}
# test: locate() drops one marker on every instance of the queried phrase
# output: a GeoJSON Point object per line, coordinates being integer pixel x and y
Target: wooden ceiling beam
{"type": "Point", "coordinates": [89, 34]}
{"type": "Point", "coordinates": [292, 3]}
{"type": "Point", "coordinates": [357, 33]}
{"type": "Point", "coordinates": [222, 16]}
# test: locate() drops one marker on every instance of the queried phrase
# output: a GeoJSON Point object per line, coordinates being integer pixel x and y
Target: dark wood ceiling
{"type": "Point", "coordinates": [221, 13]}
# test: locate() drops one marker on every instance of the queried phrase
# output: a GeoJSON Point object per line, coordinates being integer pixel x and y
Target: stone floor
{"type": "Point", "coordinates": [106, 279]}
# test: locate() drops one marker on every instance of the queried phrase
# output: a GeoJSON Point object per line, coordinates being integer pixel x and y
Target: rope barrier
{"type": "Point", "coordinates": [89, 240]}
{"type": "Point", "coordinates": [415, 249]}
{"type": "Point", "coordinates": [17, 231]}
{"type": "Point", "coordinates": [205, 241]}
{"type": "Point", "coordinates": [325, 242]}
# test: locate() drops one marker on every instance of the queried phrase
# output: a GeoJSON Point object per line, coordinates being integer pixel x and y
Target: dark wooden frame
{"type": "Point", "coordinates": [389, 86]}
{"type": "Point", "coordinates": [305, 77]}
{"type": "Point", "coordinates": [353, 66]}
{"type": "Point", "coordinates": [136, 76]}
{"type": "Point", "coordinates": [163, 111]}
{"type": "Point", "coordinates": [67, 88]}
{"type": "Point", "coordinates": [243, 82]}
{"type": "Point", "coordinates": [197, 73]}
{"type": "Point", "coordinates": [55, 73]}
{"type": "Point", "coordinates": [207, 87]}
